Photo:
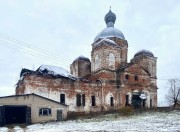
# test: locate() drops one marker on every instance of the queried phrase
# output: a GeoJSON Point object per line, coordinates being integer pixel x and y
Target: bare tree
{"type": "Point", "coordinates": [173, 95]}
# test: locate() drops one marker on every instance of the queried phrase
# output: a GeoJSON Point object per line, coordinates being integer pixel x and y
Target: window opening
{"type": "Point", "coordinates": [93, 100]}
{"type": "Point", "coordinates": [136, 78]}
{"type": "Point", "coordinates": [62, 98]}
{"type": "Point", "coordinates": [127, 99]}
{"type": "Point", "coordinates": [127, 76]}
{"type": "Point", "coordinates": [80, 100]}
{"type": "Point", "coordinates": [112, 101]}
{"type": "Point", "coordinates": [83, 99]}
{"type": "Point", "coordinates": [150, 103]}
{"type": "Point", "coordinates": [45, 112]}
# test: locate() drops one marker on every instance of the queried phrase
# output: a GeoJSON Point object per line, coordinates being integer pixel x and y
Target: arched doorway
{"type": "Point", "coordinates": [136, 100]}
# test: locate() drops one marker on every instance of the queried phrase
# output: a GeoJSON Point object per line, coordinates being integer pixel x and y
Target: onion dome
{"type": "Point", "coordinates": [144, 52]}
{"type": "Point", "coordinates": [82, 58]}
{"type": "Point", "coordinates": [110, 31]}
{"type": "Point", "coordinates": [110, 19]}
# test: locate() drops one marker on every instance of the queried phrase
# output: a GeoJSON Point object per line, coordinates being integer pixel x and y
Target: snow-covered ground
{"type": "Point", "coordinates": [150, 122]}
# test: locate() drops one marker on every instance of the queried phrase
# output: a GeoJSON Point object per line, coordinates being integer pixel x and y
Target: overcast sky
{"type": "Point", "coordinates": [35, 32]}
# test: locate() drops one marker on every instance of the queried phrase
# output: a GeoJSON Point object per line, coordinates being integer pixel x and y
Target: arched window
{"type": "Point", "coordinates": [97, 62]}
{"type": "Point", "coordinates": [151, 68]}
{"type": "Point", "coordinates": [111, 101]}
{"type": "Point", "coordinates": [62, 98]}
{"type": "Point", "coordinates": [136, 78]}
{"type": "Point", "coordinates": [126, 76]}
{"type": "Point", "coordinates": [112, 60]}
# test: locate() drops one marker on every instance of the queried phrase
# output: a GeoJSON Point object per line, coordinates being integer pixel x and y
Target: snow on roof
{"type": "Point", "coordinates": [109, 32]}
{"type": "Point", "coordinates": [54, 70]}
{"type": "Point", "coordinates": [111, 42]}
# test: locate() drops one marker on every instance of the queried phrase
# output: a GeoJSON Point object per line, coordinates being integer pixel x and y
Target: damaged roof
{"type": "Point", "coordinates": [49, 70]}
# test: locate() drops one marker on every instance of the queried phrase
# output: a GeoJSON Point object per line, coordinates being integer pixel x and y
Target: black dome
{"type": "Point", "coordinates": [144, 52]}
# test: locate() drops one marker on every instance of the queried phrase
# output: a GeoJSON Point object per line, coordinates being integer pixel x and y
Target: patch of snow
{"type": "Point", "coordinates": [106, 40]}
{"type": "Point", "coordinates": [143, 96]}
{"type": "Point", "coordinates": [21, 78]}
{"type": "Point", "coordinates": [54, 70]}
{"type": "Point", "coordinates": [4, 129]}
{"type": "Point", "coordinates": [18, 129]}
{"type": "Point", "coordinates": [109, 32]}
{"type": "Point", "coordinates": [149, 122]}
{"type": "Point", "coordinates": [109, 40]}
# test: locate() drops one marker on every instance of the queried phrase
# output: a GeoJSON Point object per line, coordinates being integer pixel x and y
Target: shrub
{"type": "Point", "coordinates": [125, 111]}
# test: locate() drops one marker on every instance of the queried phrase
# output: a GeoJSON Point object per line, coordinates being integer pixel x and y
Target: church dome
{"type": "Point", "coordinates": [144, 52]}
{"type": "Point", "coordinates": [110, 17]}
{"type": "Point", "coordinates": [110, 31]}
{"type": "Point", "coordinates": [82, 58]}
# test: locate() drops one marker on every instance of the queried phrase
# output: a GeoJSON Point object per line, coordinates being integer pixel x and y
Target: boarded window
{"type": "Point", "coordinates": [45, 112]}
{"type": "Point", "coordinates": [93, 100]}
{"type": "Point", "coordinates": [112, 60]}
{"type": "Point", "coordinates": [111, 101]}
{"type": "Point", "coordinates": [80, 100]}
{"type": "Point", "coordinates": [97, 62]}
{"type": "Point", "coordinates": [62, 98]}
{"type": "Point", "coordinates": [150, 68]}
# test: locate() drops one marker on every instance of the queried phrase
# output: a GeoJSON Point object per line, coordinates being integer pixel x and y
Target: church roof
{"type": "Point", "coordinates": [44, 70]}
{"type": "Point", "coordinates": [110, 31]}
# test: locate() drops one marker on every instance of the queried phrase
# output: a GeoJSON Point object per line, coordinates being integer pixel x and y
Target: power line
{"type": "Point", "coordinates": [33, 51]}
{"type": "Point", "coordinates": [23, 44]}
{"type": "Point", "coordinates": [30, 46]}
{"type": "Point", "coordinates": [36, 55]}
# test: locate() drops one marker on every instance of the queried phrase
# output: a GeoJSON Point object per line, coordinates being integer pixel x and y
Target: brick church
{"type": "Point", "coordinates": [106, 82]}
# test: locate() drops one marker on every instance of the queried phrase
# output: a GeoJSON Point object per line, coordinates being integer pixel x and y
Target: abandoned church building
{"type": "Point", "coordinates": [106, 82]}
